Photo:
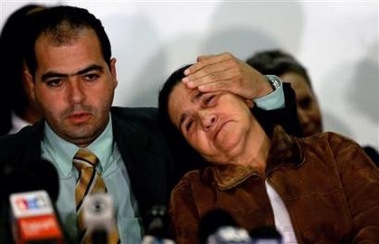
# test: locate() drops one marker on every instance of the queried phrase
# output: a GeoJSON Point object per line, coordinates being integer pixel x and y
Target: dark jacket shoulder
{"type": "Point", "coordinates": [24, 146]}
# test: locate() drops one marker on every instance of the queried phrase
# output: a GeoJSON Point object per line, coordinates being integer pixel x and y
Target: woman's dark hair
{"type": "Point", "coordinates": [12, 48]}
{"type": "Point", "coordinates": [164, 96]}
{"type": "Point", "coordinates": [185, 157]}
{"type": "Point", "coordinates": [277, 62]}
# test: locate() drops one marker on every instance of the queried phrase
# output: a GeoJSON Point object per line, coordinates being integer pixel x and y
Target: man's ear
{"type": "Point", "coordinates": [28, 82]}
{"type": "Point", "coordinates": [113, 71]}
{"type": "Point", "coordinates": [249, 103]}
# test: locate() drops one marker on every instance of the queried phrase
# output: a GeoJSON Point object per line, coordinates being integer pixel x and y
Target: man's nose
{"type": "Point", "coordinates": [76, 92]}
{"type": "Point", "coordinates": [303, 117]}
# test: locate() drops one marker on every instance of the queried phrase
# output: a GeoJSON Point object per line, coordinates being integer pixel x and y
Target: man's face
{"type": "Point", "coordinates": [74, 87]}
{"type": "Point", "coordinates": [216, 124]}
{"type": "Point", "coordinates": [308, 109]}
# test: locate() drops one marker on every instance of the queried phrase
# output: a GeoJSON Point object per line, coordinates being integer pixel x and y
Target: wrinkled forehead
{"type": "Point", "coordinates": [180, 101]}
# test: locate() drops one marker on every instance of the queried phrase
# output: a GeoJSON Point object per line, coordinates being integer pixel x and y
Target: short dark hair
{"type": "Point", "coordinates": [277, 62]}
{"type": "Point", "coordinates": [61, 23]}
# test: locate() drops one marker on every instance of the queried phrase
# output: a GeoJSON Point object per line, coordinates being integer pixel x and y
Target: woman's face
{"type": "Point", "coordinates": [216, 124]}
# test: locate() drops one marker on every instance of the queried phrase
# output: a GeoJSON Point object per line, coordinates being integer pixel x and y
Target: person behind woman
{"type": "Point", "coordinates": [17, 109]}
{"type": "Point", "coordinates": [289, 69]}
{"type": "Point", "coordinates": [320, 189]}
{"type": "Point", "coordinates": [285, 66]}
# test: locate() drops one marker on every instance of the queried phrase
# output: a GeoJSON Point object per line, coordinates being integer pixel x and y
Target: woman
{"type": "Point", "coordinates": [321, 189]}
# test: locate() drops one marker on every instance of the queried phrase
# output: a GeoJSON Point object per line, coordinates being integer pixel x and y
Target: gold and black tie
{"type": "Point", "coordinates": [89, 182]}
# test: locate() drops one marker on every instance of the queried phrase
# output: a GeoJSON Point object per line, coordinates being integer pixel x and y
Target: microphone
{"type": "Point", "coordinates": [219, 227]}
{"type": "Point", "coordinates": [98, 216]}
{"type": "Point", "coordinates": [33, 218]}
{"type": "Point", "coordinates": [157, 226]}
{"type": "Point", "coordinates": [229, 235]}
{"type": "Point", "coordinates": [42, 176]}
{"type": "Point", "coordinates": [266, 235]}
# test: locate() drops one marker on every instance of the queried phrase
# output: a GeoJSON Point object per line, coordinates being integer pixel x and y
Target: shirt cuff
{"type": "Point", "coordinates": [273, 100]}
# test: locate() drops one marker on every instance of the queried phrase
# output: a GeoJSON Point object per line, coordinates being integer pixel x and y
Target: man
{"type": "Point", "coordinates": [72, 77]}
{"type": "Point", "coordinates": [285, 66]}
{"type": "Point", "coordinates": [319, 189]}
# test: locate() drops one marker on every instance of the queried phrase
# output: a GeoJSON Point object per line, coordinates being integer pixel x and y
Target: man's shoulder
{"type": "Point", "coordinates": [16, 146]}
{"type": "Point", "coordinates": [138, 119]}
{"type": "Point", "coordinates": [28, 132]}
{"type": "Point", "coordinates": [135, 113]}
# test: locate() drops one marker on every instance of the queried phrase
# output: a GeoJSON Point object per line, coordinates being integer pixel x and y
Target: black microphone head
{"type": "Point", "coordinates": [157, 222]}
{"type": "Point", "coordinates": [268, 233]}
{"type": "Point", "coordinates": [41, 176]}
{"type": "Point", "coordinates": [212, 221]}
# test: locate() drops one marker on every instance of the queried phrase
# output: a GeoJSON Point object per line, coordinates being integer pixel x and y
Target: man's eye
{"type": "Point", "coordinates": [54, 83]}
{"type": "Point", "coordinates": [91, 77]}
{"type": "Point", "coordinates": [305, 103]}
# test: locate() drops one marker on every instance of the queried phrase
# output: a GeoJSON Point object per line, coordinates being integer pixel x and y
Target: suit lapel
{"type": "Point", "coordinates": [146, 161]}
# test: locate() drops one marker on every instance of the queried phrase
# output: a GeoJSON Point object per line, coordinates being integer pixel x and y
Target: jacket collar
{"type": "Point", "coordinates": [285, 151]}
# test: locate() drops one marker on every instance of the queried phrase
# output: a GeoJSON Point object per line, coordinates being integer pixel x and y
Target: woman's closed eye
{"type": "Point", "coordinates": [188, 125]}
{"type": "Point", "coordinates": [209, 99]}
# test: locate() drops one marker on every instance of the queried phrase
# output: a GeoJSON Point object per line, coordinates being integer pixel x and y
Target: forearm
{"type": "Point", "coordinates": [285, 116]}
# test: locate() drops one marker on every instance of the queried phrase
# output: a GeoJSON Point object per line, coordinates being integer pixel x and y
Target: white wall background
{"type": "Point", "coordinates": [336, 40]}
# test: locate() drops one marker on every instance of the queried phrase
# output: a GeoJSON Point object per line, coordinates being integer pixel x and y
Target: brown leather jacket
{"type": "Point", "coordinates": [328, 184]}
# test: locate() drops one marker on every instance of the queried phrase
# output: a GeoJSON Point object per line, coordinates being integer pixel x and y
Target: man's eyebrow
{"type": "Point", "coordinates": [52, 74]}
{"type": "Point", "coordinates": [90, 68]}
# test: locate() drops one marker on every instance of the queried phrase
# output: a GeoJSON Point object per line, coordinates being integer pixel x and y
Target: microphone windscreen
{"type": "Point", "coordinates": [266, 234]}
{"type": "Point", "coordinates": [40, 176]}
{"type": "Point", "coordinates": [157, 221]}
{"type": "Point", "coordinates": [212, 221]}
{"type": "Point", "coordinates": [98, 213]}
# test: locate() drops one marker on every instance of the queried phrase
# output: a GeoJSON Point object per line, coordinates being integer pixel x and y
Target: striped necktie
{"type": "Point", "coordinates": [89, 182]}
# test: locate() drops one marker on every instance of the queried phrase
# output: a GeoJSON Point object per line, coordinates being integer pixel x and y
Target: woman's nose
{"type": "Point", "coordinates": [208, 120]}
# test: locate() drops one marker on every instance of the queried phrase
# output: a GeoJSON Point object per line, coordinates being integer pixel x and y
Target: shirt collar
{"type": "Point", "coordinates": [63, 151]}
{"type": "Point", "coordinates": [17, 123]}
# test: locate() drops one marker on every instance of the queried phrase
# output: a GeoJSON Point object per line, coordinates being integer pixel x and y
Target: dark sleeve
{"type": "Point", "coordinates": [286, 117]}
{"type": "Point", "coordinates": [373, 154]}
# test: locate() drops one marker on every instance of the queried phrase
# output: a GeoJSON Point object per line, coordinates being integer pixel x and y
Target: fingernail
{"type": "Point", "coordinates": [186, 72]}
{"type": "Point", "coordinates": [185, 79]}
